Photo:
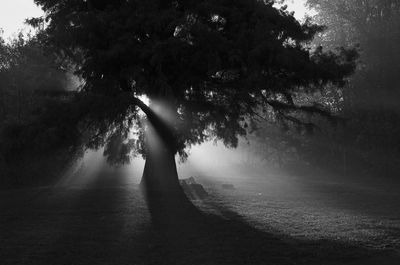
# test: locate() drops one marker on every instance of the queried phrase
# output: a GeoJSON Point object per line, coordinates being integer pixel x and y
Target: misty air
{"type": "Point", "coordinates": [149, 132]}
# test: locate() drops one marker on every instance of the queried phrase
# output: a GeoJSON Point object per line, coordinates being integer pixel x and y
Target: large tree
{"type": "Point", "coordinates": [207, 67]}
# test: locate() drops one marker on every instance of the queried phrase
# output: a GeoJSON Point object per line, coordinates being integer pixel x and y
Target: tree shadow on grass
{"type": "Point", "coordinates": [95, 230]}
{"type": "Point", "coordinates": [184, 235]}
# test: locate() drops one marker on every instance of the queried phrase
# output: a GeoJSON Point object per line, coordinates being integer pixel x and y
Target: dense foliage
{"type": "Point", "coordinates": [33, 87]}
{"type": "Point", "coordinates": [212, 65]}
{"type": "Point", "coordinates": [370, 100]}
{"type": "Point", "coordinates": [369, 142]}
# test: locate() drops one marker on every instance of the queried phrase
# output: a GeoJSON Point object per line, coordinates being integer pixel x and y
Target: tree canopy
{"type": "Point", "coordinates": [213, 65]}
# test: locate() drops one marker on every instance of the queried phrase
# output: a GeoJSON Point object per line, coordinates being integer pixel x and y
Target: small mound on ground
{"type": "Point", "coordinates": [228, 186]}
{"type": "Point", "coordinates": [193, 190]}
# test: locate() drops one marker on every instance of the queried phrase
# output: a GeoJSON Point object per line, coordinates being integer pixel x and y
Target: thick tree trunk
{"type": "Point", "coordinates": [166, 200]}
{"type": "Point", "coordinates": [160, 184]}
{"type": "Point", "coordinates": [160, 173]}
{"type": "Point", "coordinates": [165, 197]}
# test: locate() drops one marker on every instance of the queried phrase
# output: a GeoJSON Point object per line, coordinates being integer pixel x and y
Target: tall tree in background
{"type": "Point", "coordinates": [374, 25]}
{"type": "Point", "coordinates": [208, 67]}
{"type": "Point", "coordinates": [370, 102]}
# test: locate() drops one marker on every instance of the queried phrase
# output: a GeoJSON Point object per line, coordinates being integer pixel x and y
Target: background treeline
{"type": "Point", "coordinates": [32, 85]}
{"type": "Point", "coordinates": [366, 141]}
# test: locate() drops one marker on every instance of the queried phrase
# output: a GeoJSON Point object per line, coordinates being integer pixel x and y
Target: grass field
{"type": "Point", "coordinates": [270, 220]}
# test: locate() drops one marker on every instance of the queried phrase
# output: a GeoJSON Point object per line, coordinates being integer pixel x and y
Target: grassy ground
{"type": "Point", "coordinates": [274, 220]}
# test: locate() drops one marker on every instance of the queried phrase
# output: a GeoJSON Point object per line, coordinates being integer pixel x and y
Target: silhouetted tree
{"type": "Point", "coordinates": [207, 67]}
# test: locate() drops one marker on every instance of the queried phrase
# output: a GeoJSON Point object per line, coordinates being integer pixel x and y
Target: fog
{"type": "Point", "coordinates": [315, 205]}
{"type": "Point", "coordinates": [269, 140]}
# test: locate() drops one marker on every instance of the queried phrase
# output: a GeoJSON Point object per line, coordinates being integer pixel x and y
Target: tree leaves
{"type": "Point", "coordinates": [213, 61]}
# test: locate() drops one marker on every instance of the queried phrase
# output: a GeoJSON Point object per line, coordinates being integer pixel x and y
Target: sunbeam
{"type": "Point", "coordinates": [200, 132]}
{"type": "Point", "coordinates": [145, 99]}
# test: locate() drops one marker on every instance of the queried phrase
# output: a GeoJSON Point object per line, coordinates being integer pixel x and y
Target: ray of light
{"type": "Point", "coordinates": [145, 99]}
{"type": "Point", "coordinates": [84, 170]}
